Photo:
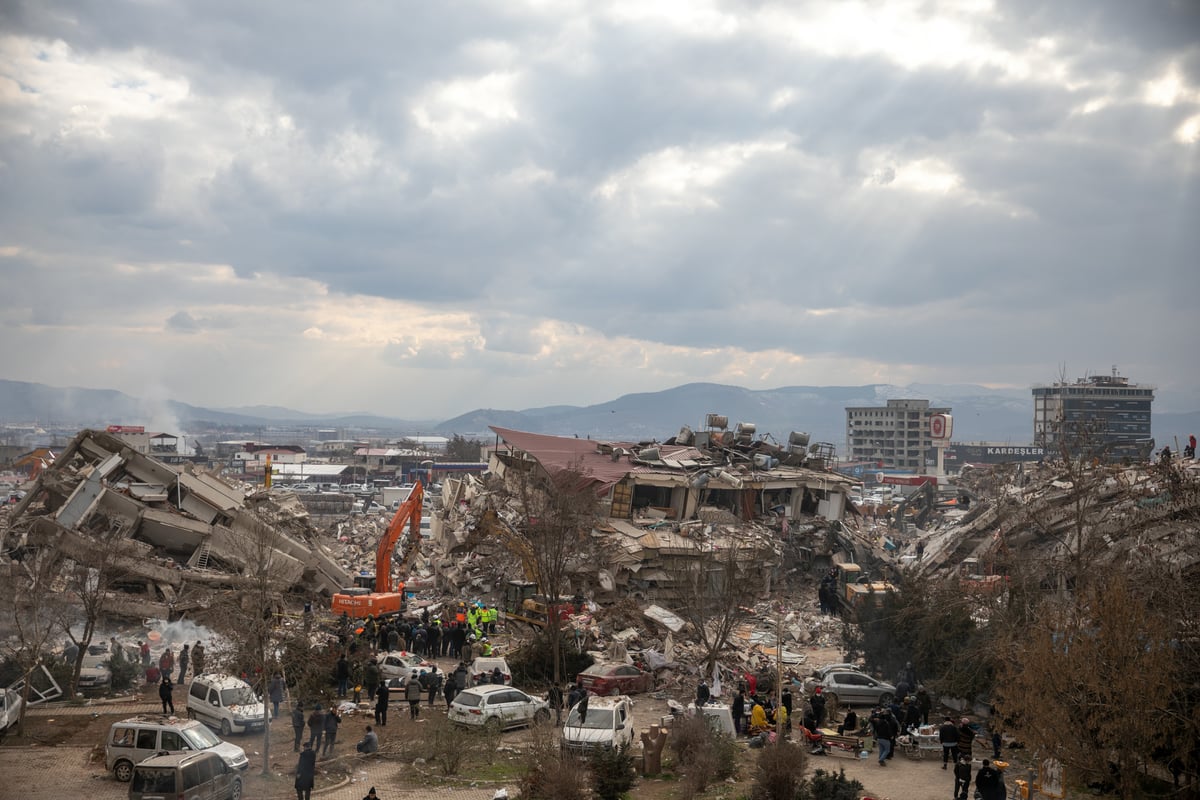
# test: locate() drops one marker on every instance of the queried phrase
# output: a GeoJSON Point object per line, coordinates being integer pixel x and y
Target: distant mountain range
{"type": "Point", "coordinates": [980, 414]}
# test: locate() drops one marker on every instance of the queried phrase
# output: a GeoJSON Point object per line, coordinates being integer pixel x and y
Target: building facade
{"type": "Point", "coordinates": [1101, 415]}
{"type": "Point", "coordinates": [896, 435]}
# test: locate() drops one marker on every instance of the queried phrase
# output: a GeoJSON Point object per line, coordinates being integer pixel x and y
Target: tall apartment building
{"type": "Point", "coordinates": [896, 434]}
{"type": "Point", "coordinates": [1102, 415]}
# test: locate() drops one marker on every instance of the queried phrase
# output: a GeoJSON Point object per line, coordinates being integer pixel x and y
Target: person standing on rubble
{"type": "Point", "coordinates": [1190, 450]}
{"type": "Point", "coordinates": [738, 710]}
{"type": "Point", "coordinates": [166, 664]}
{"type": "Point", "coordinates": [198, 659]}
{"type": "Point", "coordinates": [703, 695]}
{"type": "Point", "coordinates": [184, 656]}
{"type": "Point", "coordinates": [818, 707]}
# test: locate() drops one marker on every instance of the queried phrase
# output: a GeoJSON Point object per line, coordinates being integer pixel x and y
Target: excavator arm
{"type": "Point", "coordinates": [409, 513]}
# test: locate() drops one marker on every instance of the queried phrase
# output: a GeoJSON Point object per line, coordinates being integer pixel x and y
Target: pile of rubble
{"type": "Point", "coordinates": [179, 535]}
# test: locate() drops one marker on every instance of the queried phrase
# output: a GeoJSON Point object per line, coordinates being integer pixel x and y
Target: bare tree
{"type": "Point", "coordinates": [33, 611]}
{"type": "Point", "coordinates": [1108, 661]}
{"type": "Point", "coordinates": [91, 577]}
{"type": "Point", "coordinates": [557, 512]}
{"type": "Point", "coordinates": [248, 616]}
{"type": "Point", "coordinates": [717, 587]}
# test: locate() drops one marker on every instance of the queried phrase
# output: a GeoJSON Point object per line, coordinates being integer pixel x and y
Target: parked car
{"type": "Point", "coordinates": [400, 664]}
{"type": "Point", "coordinates": [483, 668]}
{"type": "Point", "coordinates": [497, 708]}
{"type": "Point", "coordinates": [226, 703]}
{"type": "Point", "coordinates": [614, 679]}
{"type": "Point", "coordinates": [191, 776]}
{"type": "Point", "coordinates": [10, 710]}
{"type": "Point", "coordinates": [608, 723]}
{"type": "Point", "coordinates": [95, 674]}
{"type": "Point", "coordinates": [133, 740]}
{"type": "Point", "coordinates": [849, 687]}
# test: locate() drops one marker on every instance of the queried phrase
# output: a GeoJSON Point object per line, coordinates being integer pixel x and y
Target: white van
{"type": "Point", "coordinates": [132, 741]}
{"type": "Point", "coordinates": [225, 703]}
{"type": "Point", "coordinates": [609, 723]}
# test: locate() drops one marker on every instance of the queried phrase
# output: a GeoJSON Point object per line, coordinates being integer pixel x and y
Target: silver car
{"type": "Point", "coordinates": [497, 707]}
{"type": "Point", "coordinates": [849, 687]}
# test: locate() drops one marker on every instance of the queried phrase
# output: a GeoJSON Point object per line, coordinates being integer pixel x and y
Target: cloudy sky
{"type": "Point", "coordinates": [419, 209]}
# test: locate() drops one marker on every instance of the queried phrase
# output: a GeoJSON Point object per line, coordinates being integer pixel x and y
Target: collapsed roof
{"type": "Point", "coordinates": [169, 516]}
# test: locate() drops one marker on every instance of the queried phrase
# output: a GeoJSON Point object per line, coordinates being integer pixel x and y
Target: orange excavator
{"type": "Point", "coordinates": [375, 596]}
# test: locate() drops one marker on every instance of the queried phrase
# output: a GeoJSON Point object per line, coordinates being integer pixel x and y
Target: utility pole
{"type": "Point", "coordinates": [779, 672]}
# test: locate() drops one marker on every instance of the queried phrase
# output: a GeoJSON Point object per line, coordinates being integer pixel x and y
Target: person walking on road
{"type": "Point", "coordinates": [306, 772]}
{"type": "Point", "coordinates": [164, 694]}
{"type": "Point", "coordinates": [183, 663]}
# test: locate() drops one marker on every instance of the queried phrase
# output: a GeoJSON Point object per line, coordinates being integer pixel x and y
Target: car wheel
{"type": "Point", "coordinates": [614, 691]}
{"type": "Point", "coordinates": [235, 789]}
{"type": "Point", "coordinates": [885, 699]}
{"type": "Point", "coordinates": [123, 771]}
{"type": "Point", "coordinates": [541, 717]}
{"type": "Point", "coordinates": [492, 725]}
{"type": "Point", "coordinates": [226, 728]}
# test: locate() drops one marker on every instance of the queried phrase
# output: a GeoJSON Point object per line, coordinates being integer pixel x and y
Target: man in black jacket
{"type": "Point", "coordinates": [382, 697]}
{"type": "Point", "coordinates": [962, 778]}
{"type": "Point", "coordinates": [306, 772]}
{"type": "Point", "coordinates": [948, 738]}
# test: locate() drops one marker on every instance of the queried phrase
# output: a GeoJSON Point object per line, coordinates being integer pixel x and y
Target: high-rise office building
{"type": "Point", "coordinates": [1101, 415]}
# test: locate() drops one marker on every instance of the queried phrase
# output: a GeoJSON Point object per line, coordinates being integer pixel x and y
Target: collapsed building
{"type": "Point", "coordinates": [661, 505]}
{"type": "Point", "coordinates": [178, 534]}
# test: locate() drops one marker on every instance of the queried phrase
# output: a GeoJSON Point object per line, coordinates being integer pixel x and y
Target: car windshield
{"type": "Point", "coordinates": [238, 696]}
{"type": "Point", "coordinates": [153, 779]}
{"type": "Point", "coordinates": [200, 738]}
{"type": "Point", "coordinates": [597, 718]}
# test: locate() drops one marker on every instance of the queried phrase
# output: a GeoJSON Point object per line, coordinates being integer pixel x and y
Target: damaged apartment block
{"type": "Point", "coordinates": [663, 506]}
{"type": "Point", "coordinates": [169, 517]}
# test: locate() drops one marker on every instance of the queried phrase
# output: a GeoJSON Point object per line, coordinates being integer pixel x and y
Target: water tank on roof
{"type": "Point", "coordinates": [798, 439]}
{"type": "Point", "coordinates": [685, 436]}
{"type": "Point", "coordinates": [716, 421]}
{"type": "Point", "coordinates": [745, 431]}
{"type": "Point", "coordinates": [649, 454]}
{"type": "Point", "coordinates": [764, 461]}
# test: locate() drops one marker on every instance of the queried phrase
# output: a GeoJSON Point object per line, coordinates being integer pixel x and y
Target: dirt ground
{"type": "Point", "coordinates": [68, 745]}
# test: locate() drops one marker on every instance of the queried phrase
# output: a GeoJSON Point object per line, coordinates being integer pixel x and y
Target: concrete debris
{"type": "Point", "coordinates": [180, 534]}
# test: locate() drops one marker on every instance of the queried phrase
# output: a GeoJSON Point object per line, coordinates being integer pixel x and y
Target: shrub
{"type": "Point", "coordinates": [550, 776]}
{"type": "Point", "coordinates": [828, 786]}
{"type": "Point", "coordinates": [779, 772]}
{"type": "Point", "coordinates": [703, 755]}
{"type": "Point", "coordinates": [612, 771]}
{"type": "Point", "coordinates": [446, 746]}
{"type": "Point", "coordinates": [534, 662]}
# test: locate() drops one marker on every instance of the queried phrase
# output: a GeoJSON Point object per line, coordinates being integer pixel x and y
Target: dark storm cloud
{"type": "Point", "coordinates": [518, 166]}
